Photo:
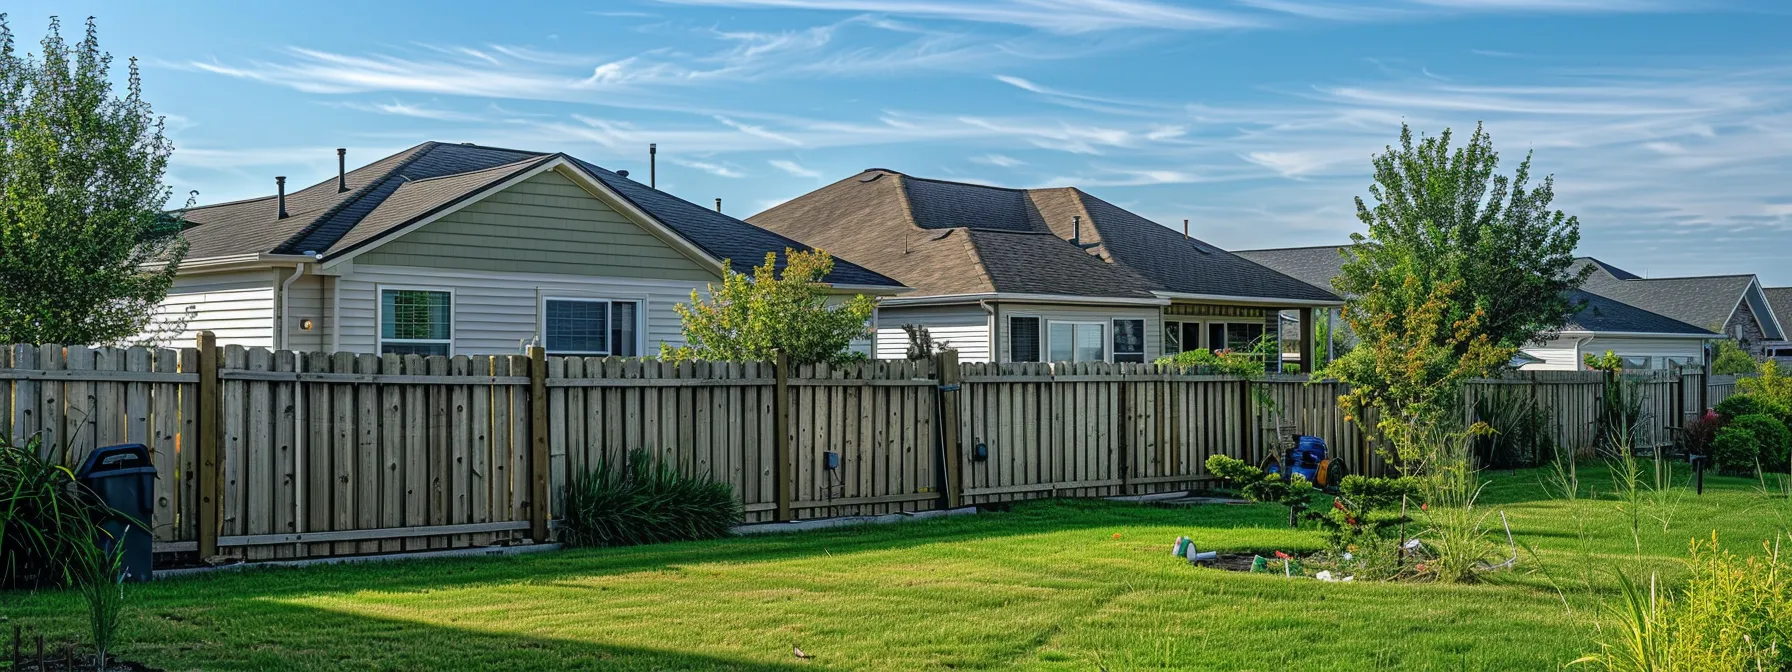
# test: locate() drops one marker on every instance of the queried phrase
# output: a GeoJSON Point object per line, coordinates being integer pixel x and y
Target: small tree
{"type": "Point", "coordinates": [81, 197]}
{"type": "Point", "coordinates": [752, 318]}
{"type": "Point", "coordinates": [1732, 360]}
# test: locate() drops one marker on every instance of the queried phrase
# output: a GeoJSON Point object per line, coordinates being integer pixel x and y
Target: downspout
{"type": "Point", "coordinates": [298, 402]}
{"type": "Point", "coordinates": [1578, 355]}
{"type": "Point", "coordinates": [995, 337]}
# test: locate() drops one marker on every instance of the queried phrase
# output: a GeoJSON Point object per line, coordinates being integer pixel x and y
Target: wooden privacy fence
{"type": "Point", "coordinates": [276, 454]}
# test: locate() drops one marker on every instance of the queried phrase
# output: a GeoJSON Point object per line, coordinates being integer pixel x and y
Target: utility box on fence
{"type": "Point", "coordinates": [125, 480]}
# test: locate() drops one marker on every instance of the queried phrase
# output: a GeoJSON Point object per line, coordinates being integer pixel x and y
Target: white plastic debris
{"type": "Point", "coordinates": [1411, 544]}
{"type": "Point", "coordinates": [1180, 548]}
{"type": "Point", "coordinates": [1327, 576]}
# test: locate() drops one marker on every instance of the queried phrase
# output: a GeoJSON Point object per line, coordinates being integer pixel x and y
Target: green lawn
{"type": "Point", "coordinates": [1044, 586]}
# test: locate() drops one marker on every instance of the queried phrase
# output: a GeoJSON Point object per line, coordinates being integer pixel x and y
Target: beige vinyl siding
{"type": "Point", "coordinates": [965, 328]}
{"type": "Point", "coordinates": [495, 312]}
{"type": "Point", "coordinates": [309, 300]}
{"type": "Point", "coordinates": [545, 224]}
{"type": "Point", "coordinates": [1152, 315]}
{"type": "Point", "coordinates": [238, 307]}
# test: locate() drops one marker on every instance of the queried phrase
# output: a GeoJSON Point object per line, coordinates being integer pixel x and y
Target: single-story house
{"type": "Point", "coordinates": [1732, 305]}
{"type": "Point", "coordinates": [450, 249]}
{"type": "Point", "coordinates": [1646, 340]}
{"type": "Point", "coordinates": [1036, 275]}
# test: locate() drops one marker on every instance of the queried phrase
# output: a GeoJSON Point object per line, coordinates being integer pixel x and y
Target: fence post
{"type": "Point", "coordinates": [1247, 423]}
{"type": "Point", "coordinates": [1128, 424]}
{"type": "Point", "coordinates": [210, 435]}
{"type": "Point", "coordinates": [945, 365]}
{"type": "Point", "coordinates": [538, 444]}
{"type": "Point", "coordinates": [783, 467]}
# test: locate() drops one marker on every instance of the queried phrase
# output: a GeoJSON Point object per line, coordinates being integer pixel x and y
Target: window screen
{"type": "Point", "coordinates": [591, 327]}
{"type": "Point", "coordinates": [416, 322]}
{"type": "Point", "coordinates": [1129, 341]}
{"type": "Point", "coordinates": [1023, 339]}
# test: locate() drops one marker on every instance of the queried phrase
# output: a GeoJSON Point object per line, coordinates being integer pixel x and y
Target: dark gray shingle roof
{"type": "Point", "coordinates": [388, 194]}
{"type": "Point", "coordinates": [1704, 302]}
{"type": "Point", "coordinates": [1781, 300]}
{"type": "Point", "coordinates": [1315, 266]}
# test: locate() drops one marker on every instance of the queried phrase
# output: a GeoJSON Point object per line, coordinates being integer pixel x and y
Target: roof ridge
{"type": "Point", "coordinates": [356, 196]}
{"type": "Point", "coordinates": [1299, 247]}
{"type": "Point", "coordinates": [536, 157]}
{"type": "Point", "coordinates": [1694, 277]}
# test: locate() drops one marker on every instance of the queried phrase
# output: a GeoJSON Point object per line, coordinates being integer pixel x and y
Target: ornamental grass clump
{"type": "Point", "coordinates": [641, 500]}
{"type": "Point", "coordinates": [44, 521]}
{"type": "Point", "coordinates": [1733, 615]}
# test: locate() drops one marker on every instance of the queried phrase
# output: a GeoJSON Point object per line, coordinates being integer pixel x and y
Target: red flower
{"type": "Point", "coordinates": [1352, 521]}
{"type": "Point", "coordinates": [1423, 507]}
{"type": "Point", "coordinates": [1339, 506]}
{"type": "Point", "coordinates": [1282, 555]}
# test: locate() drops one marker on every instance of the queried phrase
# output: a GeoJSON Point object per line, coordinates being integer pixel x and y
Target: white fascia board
{"type": "Point", "coordinates": [1637, 334]}
{"type": "Point", "coordinates": [1259, 301]}
{"type": "Point", "coordinates": [947, 299]}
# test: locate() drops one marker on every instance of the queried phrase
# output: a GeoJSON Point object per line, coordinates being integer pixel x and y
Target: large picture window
{"type": "Point", "coordinates": [1076, 342]}
{"type": "Point", "coordinates": [1023, 339]}
{"type": "Point", "coordinates": [1129, 341]}
{"type": "Point", "coordinates": [416, 322]}
{"type": "Point", "coordinates": [591, 327]}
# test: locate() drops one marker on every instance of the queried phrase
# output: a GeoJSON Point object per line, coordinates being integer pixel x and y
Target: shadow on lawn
{"type": "Point", "coordinates": [268, 636]}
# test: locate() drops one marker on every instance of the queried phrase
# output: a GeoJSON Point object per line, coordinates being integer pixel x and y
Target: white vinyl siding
{"type": "Point", "coordinates": [498, 313]}
{"type": "Point", "coordinates": [1561, 355]}
{"type": "Point", "coordinates": [965, 328]}
{"type": "Point", "coordinates": [238, 307]}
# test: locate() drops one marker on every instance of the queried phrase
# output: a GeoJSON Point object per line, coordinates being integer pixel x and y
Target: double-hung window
{"type": "Point", "coordinates": [1076, 342]}
{"type": "Point", "coordinates": [591, 327]}
{"type": "Point", "coordinates": [416, 321]}
{"type": "Point", "coordinates": [1129, 340]}
{"type": "Point", "coordinates": [1023, 339]}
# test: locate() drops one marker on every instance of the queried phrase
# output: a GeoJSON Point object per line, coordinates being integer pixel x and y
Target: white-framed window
{"type": "Point", "coordinates": [1077, 342]}
{"type": "Point", "coordinates": [1129, 340]}
{"type": "Point", "coordinates": [1023, 338]}
{"type": "Point", "coordinates": [416, 321]}
{"type": "Point", "coordinates": [591, 326]}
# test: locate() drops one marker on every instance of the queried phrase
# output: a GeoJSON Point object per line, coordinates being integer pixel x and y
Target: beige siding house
{"type": "Point", "coordinates": [460, 249]}
{"type": "Point", "coordinates": [1036, 275]}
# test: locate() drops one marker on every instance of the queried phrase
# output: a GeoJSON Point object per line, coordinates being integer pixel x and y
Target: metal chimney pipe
{"type": "Point", "coordinates": [341, 169]}
{"type": "Point", "coordinates": [718, 205]}
{"type": "Point", "coordinates": [1076, 238]}
{"type": "Point", "coordinates": [1185, 229]}
{"type": "Point", "coordinates": [280, 187]}
{"type": "Point", "coordinates": [653, 150]}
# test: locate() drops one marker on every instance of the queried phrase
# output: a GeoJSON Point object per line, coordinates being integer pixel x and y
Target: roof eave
{"type": "Point", "coordinates": [234, 262]}
{"type": "Point", "coordinates": [1012, 297]}
{"type": "Point", "coordinates": [1638, 334]}
{"type": "Point", "coordinates": [1251, 300]}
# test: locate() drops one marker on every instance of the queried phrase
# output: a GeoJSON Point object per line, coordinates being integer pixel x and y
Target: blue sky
{"type": "Point", "coordinates": [1667, 123]}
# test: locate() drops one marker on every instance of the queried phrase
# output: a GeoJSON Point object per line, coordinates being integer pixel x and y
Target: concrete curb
{"type": "Point", "coordinates": [488, 551]}
{"type": "Point", "coordinates": [847, 521]}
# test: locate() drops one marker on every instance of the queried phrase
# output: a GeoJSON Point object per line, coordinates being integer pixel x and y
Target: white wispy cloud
{"type": "Point", "coordinates": [1061, 16]}
{"type": "Point", "coordinates": [403, 109]}
{"type": "Point", "coordinates": [717, 169]}
{"type": "Point", "coordinates": [998, 160]}
{"type": "Point", "coordinates": [794, 168]}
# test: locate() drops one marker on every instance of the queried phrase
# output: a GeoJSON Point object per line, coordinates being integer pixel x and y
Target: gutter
{"type": "Point", "coordinates": [1251, 300]}
{"type": "Point", "coordinates": [949, 299]}
{"type": "Point", "coordinates": [1636, 334]}
{"type": "Point", "coordinates": [237, 261]}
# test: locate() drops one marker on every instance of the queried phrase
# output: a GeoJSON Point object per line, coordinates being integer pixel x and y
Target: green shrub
{"type": "Point", "coordinates": [1732, 360]}
{"type": "Point", "coordinates": [45, 523]}
{"type": "Point", "coordinates": [1739, 405]}
{"type": "Point", "coordinates": [1731, 616]}
{"type": "Point", "coordinates": [1752, 440]}
{"type": "Point", "coordinates": [645, 501]}
{"type": "Point", "coordinates": [1365, 510]}
{"type": "Point", "coordinates": [1259, 486]}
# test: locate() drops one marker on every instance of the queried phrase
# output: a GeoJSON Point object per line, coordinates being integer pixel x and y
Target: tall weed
{"type": "Point", "coordinates": [44, 521]}
{"type": "Point", "coordinates": [644, 501]}
{"type": "Point", "coordinates": [1733, 615]}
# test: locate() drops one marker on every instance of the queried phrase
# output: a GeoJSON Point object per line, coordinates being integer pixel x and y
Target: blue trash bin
{"type": "Point", "coordinates": [124, 479]}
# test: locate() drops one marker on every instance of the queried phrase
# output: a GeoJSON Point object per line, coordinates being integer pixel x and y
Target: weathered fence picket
{"type": "Point", "coordinates": [325, 454]}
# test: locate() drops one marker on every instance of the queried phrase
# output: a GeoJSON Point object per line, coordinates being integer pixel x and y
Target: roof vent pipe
{"type": "Point", "coordinates": [653, 150]}
{"type": "Point", "coordinates": [1077, 237]}
{"type": "Point", "coordinates": [280, 187]}
{"type": "Point", "coordinates": [341, 169]}
{"type": "Point", "coordinates": [718, 205]}
{"type": "Point", "coordinates": [1185, 229]}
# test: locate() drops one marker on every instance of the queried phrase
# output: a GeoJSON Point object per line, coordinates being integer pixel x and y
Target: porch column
{"type": "Point", "coordinates": [1306, 340]}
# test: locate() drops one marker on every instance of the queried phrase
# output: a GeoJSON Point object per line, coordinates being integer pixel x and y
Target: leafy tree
{"type": "Point", "coordinates": [751, 318]}
{"type": "Point", "coordinates": [86, 252]}
{"type": "Point", "coordinates": [1732, 360]}
{"type": "Point", "coordinates": [1770, 384]}
{"type": "Point", "coordinates": [1458, 268]}
{"type": "Point", "coordinates": [1445, 217]}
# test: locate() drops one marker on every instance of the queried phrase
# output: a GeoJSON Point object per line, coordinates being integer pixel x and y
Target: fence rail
{"type": "Point", "coordinates": [276, 454]}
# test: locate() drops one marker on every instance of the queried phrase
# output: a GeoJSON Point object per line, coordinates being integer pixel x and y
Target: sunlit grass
{"type": "Point", "coordinates": [1044, 586]}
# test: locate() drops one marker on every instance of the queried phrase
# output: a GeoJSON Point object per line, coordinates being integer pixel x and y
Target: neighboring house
{"type": "Point", "coordinates": [1645, 339]}
{"type": "Point", "coordinates": [1780, 299]}
{"type": "Point", "coordinates": [1035, 275]}
{"type": "Point", "coordinates": [450, 249]}
{"type": "Point", "coordinates": [1732, 305]}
